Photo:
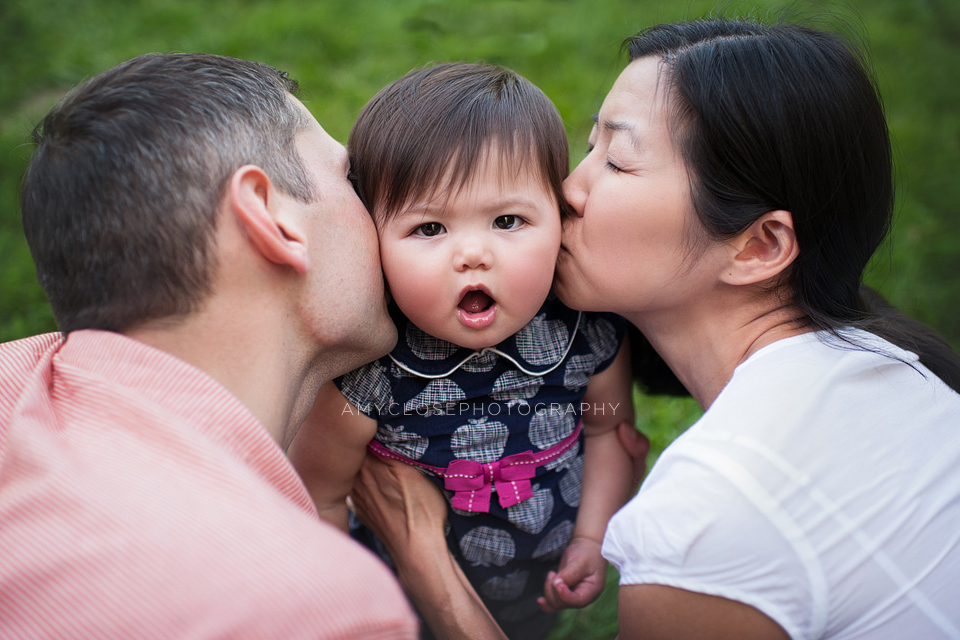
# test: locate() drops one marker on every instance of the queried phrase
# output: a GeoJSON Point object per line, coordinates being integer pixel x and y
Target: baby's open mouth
{"type": "Point", "coordinates": [475, 302]}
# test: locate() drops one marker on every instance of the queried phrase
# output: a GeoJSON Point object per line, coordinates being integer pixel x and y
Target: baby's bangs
{"type": "Point", "coordinates": [426, 135]}
{"type": "Point", "coordinates": [442, 162]}
{"type": "Point", "coordinates": [510, 155]}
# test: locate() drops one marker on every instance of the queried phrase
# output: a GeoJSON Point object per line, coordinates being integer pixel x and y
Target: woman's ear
{"type": "Point", "coordinates": [763, 251]}
{"type": "Point", "coordinates": [258, 208]}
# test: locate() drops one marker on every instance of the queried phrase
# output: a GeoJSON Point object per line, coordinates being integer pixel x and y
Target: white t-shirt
{"type": "Point", "coordinates": [821, 487]}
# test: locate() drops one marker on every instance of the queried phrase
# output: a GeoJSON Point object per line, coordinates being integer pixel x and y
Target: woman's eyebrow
{"type": "Point", "coordinates": [618, 126]}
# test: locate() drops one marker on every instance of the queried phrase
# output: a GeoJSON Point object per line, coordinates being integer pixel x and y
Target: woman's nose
{"type": "Point", "coordinates": [574, 190]}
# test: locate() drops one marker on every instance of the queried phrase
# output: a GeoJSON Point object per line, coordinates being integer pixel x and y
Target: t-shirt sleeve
{"type": "Point", "coordinates": [603, 333]}
{"type": "Point", "coordinates": [368, 388]}
{"type": "Point", "coordinates": [705, 525]}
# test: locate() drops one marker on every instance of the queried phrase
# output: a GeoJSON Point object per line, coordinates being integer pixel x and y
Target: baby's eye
{"type": "Point", "coordinates": [429, 229]}
{"type": "Point", "coordinates": [507, 222]}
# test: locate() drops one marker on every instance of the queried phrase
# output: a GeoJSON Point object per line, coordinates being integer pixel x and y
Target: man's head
{"type": "Point", "coordinates": [121, 198]}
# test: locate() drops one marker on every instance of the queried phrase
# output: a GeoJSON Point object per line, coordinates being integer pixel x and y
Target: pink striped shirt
{"type": "Point", "coordinates": [140, 499]}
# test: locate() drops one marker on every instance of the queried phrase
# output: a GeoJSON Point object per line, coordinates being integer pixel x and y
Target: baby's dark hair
{"type": "Point", "coordinates": [428, 131]}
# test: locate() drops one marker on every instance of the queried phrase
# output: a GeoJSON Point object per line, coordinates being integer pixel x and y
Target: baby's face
{"type": "Point", "coordinates": [473, 266]}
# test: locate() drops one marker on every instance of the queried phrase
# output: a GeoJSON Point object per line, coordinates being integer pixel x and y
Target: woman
{"type": "Point", "coordinates": [739, 179]}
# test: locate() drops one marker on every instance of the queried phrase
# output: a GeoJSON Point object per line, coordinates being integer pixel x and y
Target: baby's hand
{"type": "Point", "coordinates": [583, 572]}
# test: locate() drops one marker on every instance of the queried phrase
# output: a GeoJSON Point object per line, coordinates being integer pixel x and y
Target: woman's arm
{"type": "Point", "coordinates": [407, 512]}
{"type": "Point", "coordinates": [328, 450]}
{"type": "Point", "coordinates": [656, 612]}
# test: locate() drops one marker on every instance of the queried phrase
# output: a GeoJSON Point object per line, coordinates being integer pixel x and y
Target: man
{"type": "Point", "coordinates": [209, 266]}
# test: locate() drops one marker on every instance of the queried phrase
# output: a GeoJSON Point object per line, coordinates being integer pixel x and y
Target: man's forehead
{"type": "Point", "coordinates": [295, 100]}
{"type": "Point", "coordinates": [311, 122]}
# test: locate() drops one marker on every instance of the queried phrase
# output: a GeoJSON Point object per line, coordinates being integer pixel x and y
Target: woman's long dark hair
{"type": "Point", "coordinates": [783, 116]}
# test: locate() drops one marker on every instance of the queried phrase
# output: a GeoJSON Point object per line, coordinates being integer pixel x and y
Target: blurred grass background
{"type": "Point", "coordinates": [343, 52]}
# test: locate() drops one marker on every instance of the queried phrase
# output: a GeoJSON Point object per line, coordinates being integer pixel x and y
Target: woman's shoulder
{"type": "Point", "coordinates": [808, 362]}
{"type": "Point", "coordinates": [826, 347]}
{"type": "Point", "coordinates": [814, 380]}
{"type": "Point", "coordinates": [811, 449]}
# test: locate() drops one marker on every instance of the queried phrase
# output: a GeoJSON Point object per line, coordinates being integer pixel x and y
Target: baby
{"type": "Point", "coordinates": [494, 383]}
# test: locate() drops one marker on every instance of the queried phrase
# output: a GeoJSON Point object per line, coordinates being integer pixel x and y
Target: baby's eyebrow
{"type": "Point", "coordinates": [518, 203]}
{"type": "Point", "coordinates": [418, 210]}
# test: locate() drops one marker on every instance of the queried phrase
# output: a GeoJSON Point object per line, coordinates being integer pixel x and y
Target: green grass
{"type": "Point", "coordinates": [342, 52]}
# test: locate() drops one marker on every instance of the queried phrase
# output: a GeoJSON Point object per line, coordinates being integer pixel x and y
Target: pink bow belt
{"type": "Point", "coordinates": [472, 481]}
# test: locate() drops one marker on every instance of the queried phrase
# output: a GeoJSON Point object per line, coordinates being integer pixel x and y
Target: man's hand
{"type": "Point", "coordinates": [407, 512]}
{"type": "Point", "coordinates": [399, 504]}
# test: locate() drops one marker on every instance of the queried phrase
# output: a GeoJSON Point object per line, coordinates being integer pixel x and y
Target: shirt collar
{"type": "Point", "coordinates": [151, 375]}
{"type": "Point", "coordinates": [537, 349]}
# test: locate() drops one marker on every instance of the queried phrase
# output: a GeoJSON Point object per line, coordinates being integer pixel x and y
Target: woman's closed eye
{"type": "Point", "coordinates": [609, 165]}
{"type": "Point", "coordinates": [429, 229]}
{"type": "Point", "coordinates": [613, 167]}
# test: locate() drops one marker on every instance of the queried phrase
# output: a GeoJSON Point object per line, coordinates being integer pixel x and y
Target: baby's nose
{"type": "Point", "coordinates": [473, 253]}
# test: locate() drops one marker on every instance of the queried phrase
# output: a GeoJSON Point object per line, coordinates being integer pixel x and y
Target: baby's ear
{"type": "Point", "coordinates": [763, 251]}
{"type": "Point", "coordinates": [258, 208]}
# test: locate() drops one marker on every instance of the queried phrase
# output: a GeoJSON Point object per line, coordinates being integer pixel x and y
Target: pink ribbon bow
{"type": "Point", "coordinates": [471, 481]}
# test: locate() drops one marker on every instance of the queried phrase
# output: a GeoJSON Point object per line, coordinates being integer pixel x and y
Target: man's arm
{"type": "Point", "coordinates": [407, 512]}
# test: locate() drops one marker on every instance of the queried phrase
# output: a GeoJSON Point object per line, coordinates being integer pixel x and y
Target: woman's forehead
{"type": "Point", "coordinates": [636, 104]}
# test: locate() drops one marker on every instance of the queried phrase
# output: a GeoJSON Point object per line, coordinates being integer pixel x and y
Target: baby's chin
{"type": "Point", "coordinates": [478, 341]}
{"type": "Point", "coordinates": [488, 337]}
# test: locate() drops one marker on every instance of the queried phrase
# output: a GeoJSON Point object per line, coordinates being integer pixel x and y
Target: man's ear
{"type": "Point", "coordinates": [763, 251]}
{"type": "Point", "coordinates": [254, 201]}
